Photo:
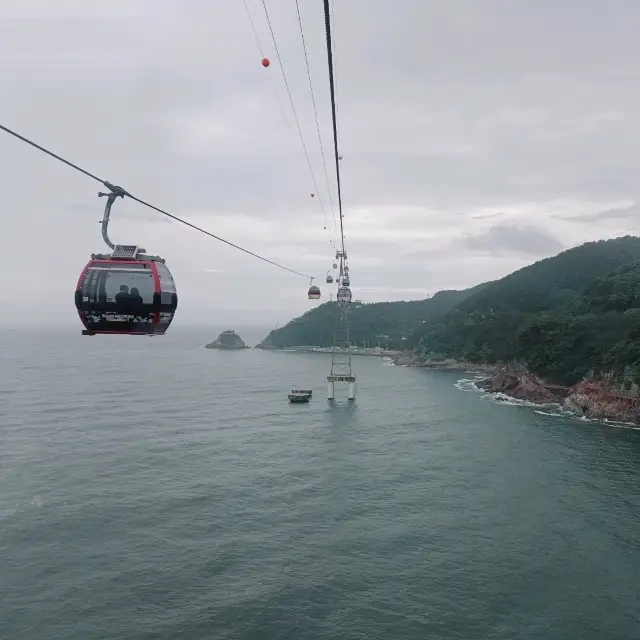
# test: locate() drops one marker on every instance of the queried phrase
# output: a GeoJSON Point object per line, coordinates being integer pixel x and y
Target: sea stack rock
{"type": "Point", "coordinates": [228, 339]}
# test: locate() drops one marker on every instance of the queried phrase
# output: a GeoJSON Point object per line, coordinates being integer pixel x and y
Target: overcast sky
{"type": "Point", "coordinates": [478, 136]}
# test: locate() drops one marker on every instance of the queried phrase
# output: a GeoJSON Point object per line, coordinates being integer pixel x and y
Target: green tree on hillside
{"type": "Point", "coordinates": [563, 316]}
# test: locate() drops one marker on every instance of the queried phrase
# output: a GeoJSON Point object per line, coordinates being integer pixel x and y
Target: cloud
{"type": "Point", "coordinates": [468, 149]}
{"type": "Point", "coordinates": [513, 239]}
{"type": "Point", "coordinates": [486, 216]}
{"type": "Point", "coordinates": [615, 213]}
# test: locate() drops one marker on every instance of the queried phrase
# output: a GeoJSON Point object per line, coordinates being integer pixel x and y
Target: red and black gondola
{"type": "Point", "coordinates": [125, 292]}
{"type": "Point", "coordinates": [131, 296]}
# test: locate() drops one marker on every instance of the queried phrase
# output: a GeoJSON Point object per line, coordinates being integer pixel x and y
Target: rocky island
{"type": "Point", "coordinates": [228, 339]}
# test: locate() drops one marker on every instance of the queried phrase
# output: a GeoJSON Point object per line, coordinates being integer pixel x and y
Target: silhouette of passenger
{"type": "Point", "coordinates": [123, 297]}
{"type": "Point", "coordinates": [136, 301]}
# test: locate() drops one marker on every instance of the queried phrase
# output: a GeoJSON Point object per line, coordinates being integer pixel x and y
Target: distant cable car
{"type": "Point", "coordinates": [345, 281]}
{"type": "Point", "coordinates": [266, 62]}
{"type": "Point", "coordinates": [344, 295]}
{"type": "Point", "coordinates": [329, 278]}
{"type": "Point", "coordinates": [314, 292]}
{"type": "Point", "coordinates": [125, 292]}
{"type": "Point", "coordinates": [335, 265]}
{"type": "Point", "coordinates": [313, 195]}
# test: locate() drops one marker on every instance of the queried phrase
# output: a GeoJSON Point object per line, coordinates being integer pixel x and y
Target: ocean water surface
{"type": "Point", "coordinates": [152, 489]}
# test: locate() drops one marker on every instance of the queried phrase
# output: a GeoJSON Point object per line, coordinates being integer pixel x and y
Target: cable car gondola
{"type": "Point", "coordinates": [345, 281]}
{"type": "Point", "coordinates": [126, 292]}
{"type": "Point", "coordinates": [329, 278]}
{"type": "Point", "coordinates": [314, 292]}
{"type": "Point", "coordinates": [344, 295]}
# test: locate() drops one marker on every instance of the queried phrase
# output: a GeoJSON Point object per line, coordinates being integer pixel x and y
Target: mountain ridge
{"type": "Point", "coordinates": [546, 317]}
{"type": "Point", "coordinates": [377, 322]}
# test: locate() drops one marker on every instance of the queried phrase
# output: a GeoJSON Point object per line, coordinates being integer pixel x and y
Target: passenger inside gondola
{"type": "Point", "coordinates": [136, 307]}
{"type": "Point", "coordinates": [123, 297]}
{"type": "Point", "coordinates": [136, 301]}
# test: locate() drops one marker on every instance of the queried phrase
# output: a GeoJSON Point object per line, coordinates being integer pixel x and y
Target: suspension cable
{"type": "Point", "coordinates": [273, 86]}
{"type": "Point", "coordinates": [295, 115]}
{"type": "Point", "coordinates": [335, 65]}
{"type": "Point", "coordinates": [115, 189]}
{"type": "Point", "coordinates": [315, 113]}
{"type": "Point", "coordinates": [327, 22]}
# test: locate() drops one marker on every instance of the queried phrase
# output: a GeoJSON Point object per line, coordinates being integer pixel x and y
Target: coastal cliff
{"type": "Point", "coordinates": [523, 386]}
{"type": "Point", "coordinates": [590, 398]}
{"type": "Point", "coordinates": [227, 340]}
{"type": "Point", "coordinates": [596, 400]}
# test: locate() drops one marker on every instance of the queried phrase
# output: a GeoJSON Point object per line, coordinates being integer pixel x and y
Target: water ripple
{"type": "Point", "coordinates": [153, 489]}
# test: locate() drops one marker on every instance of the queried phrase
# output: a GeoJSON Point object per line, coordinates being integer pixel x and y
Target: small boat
{"type": "Point", "coordinates": [297, 396]}
{"type": "Point", "coordinates": [309, 392]}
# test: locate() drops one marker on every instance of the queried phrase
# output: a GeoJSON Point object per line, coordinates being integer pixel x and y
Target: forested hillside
{"type": "Point", "coordinates": [574, 315]}
{"type": "Point", "coordinates": [561, 317]}
{"type": "Point", "coordinates": [386, 323]}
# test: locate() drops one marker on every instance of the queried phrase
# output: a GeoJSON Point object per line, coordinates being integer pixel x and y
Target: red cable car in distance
{"type": "Point", "coordinates": [314, 292]}
{"type": "Point", "coordinates": [126, 292]}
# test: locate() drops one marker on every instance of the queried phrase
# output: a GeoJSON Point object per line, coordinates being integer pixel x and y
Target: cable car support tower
{"type": "Point", "coordinates": [341, 371]}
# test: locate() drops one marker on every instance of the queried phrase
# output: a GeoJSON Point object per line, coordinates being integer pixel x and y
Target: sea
{"type": "Point", "coordinates": [154, 489]}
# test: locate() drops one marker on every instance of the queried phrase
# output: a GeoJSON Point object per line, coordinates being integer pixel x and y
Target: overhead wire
{"type": "Point", "coordinates": [327, 22]}
{"type": "Point", "coordinates": [119, 190]}
{"type": "Point", "coordinates": [273, 86]}
{"type": "Point", "coordinates": [315, 113]}
{"type": "Point", "coordinates": [335, 65]}
{"type": "Point", "coordinates": [295, 115]}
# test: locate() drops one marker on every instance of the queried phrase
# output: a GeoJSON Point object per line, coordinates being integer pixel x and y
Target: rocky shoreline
{"type": "Point", "coordinates": [589, 398]}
